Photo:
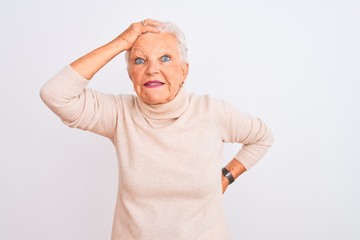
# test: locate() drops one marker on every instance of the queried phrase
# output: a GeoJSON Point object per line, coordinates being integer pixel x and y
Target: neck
{"type": "Point", "coordinates": [166, 111]}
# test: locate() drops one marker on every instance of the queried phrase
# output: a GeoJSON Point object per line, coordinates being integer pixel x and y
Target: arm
{"type": "Point", "coordinates": [92, 62]}
{"type": "Point", "coordinates": [252, 133]}
{"type": "Point", "coordinates": [68, 97]}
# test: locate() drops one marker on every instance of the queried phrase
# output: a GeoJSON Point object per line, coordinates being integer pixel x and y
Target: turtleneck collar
{"type": "Point", "coordinates": [167, 111]}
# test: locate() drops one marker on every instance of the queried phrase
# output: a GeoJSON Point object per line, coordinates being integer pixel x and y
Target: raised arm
{"type": "Point", "coordinates": [68, 97]}
{"type": "Point", "coordinates": [92, 62]}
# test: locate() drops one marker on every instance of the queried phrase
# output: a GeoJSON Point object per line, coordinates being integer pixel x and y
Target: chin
{"type": "Point", "coordinates": [155, 101]}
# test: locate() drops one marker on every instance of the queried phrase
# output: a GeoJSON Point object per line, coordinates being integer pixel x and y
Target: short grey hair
{"type": "Point", "coordinates": [169, 27]}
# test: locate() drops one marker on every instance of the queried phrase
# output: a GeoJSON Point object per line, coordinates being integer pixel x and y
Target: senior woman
{"type": "Point", "coordinates": [169, 142]}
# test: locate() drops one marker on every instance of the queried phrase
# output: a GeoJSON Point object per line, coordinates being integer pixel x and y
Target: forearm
{"type": "Point", "coordinates": [92, 62]}
{"type": "Point", "coordinates": [89, 64]}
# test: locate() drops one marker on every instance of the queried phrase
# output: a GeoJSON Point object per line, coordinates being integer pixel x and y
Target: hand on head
{"type": "Point", "coordinates": [135, 30]}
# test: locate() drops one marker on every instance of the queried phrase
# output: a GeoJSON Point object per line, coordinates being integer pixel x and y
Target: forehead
{"type": "Point", "coordinates": [149, 42]}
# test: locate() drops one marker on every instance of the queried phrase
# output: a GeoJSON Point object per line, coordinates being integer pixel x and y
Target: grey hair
{"type": "Point", "coordinates": [169, 27]}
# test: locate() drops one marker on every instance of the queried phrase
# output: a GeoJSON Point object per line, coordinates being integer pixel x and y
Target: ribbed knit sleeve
{"type": "Point", "coordinates": [240, 127]}
{"type": "Point", "coordinates": [80, 107]}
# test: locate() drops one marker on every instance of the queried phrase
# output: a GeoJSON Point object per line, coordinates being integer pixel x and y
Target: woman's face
{"type": "Point", "coordinates": [155, 68]}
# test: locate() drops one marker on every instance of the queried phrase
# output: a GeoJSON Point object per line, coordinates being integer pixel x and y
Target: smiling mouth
{"type": "Point", "coordinates": [153, 84]}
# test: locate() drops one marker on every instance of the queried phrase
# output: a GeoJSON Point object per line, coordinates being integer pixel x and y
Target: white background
{"type": "Point", "coordinates": [295, 64]}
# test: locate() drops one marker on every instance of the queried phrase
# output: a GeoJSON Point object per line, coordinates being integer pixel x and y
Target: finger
{"type": "Point", "coordinates": [150, 22]}
{"type": "Point", "coordinates": [144, 28]}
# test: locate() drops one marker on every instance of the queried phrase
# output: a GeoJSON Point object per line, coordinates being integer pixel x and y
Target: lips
{"type": "Point", "coordinates": [153, 84]}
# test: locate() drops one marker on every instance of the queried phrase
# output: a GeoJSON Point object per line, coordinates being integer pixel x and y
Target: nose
{"type": "Point", "coordinates": [152, 68]}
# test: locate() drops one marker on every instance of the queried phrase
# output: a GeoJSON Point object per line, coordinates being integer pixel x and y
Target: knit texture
{"type": "Point", "coordinates": [169, 155]}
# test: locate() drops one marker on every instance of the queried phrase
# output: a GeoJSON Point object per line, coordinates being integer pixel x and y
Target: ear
{"type": "Point", "coordinates": [128, 71]}
{"type": "Point", "coordinates": [185, 70]}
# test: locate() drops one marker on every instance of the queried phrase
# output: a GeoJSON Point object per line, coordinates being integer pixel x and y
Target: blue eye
{"type": "Point", "coordinates": [139, 61]}
{"type": "Point", "coordinates": [165, 58]}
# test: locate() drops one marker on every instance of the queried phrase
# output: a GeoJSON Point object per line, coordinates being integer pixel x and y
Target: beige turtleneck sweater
{"type": "Point", "coordinates": [169, 155]}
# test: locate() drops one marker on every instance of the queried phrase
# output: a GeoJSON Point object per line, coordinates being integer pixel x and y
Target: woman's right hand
{"type": "Point", "coordinates": [89, 64]}
{"type": "Point", "coordinates": [135, 30]}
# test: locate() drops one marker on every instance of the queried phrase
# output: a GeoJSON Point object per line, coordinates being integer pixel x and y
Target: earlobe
{"type": "Point", "coordinates": [185, 70]}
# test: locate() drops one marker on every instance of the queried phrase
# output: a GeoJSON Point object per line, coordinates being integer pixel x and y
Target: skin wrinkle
{"type": "Point", "coordinates": [168, 27]}
{"type": "Point", "coordinates": [151, 48]}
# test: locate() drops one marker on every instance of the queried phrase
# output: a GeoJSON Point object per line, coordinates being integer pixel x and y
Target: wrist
{"type": "Point", "coordinates": [227, 175]}
{"type": "Point", "coordinates": [116, 46]}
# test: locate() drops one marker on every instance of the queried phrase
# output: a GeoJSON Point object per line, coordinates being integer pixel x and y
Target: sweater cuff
{"type": "Point", "coordinates": [73, 75]}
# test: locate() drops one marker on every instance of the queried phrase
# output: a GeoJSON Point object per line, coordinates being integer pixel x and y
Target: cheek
{"type": "Point", "coordinates": [135, 76]}
{"type": "Point", "coordinates": [176, 75]}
